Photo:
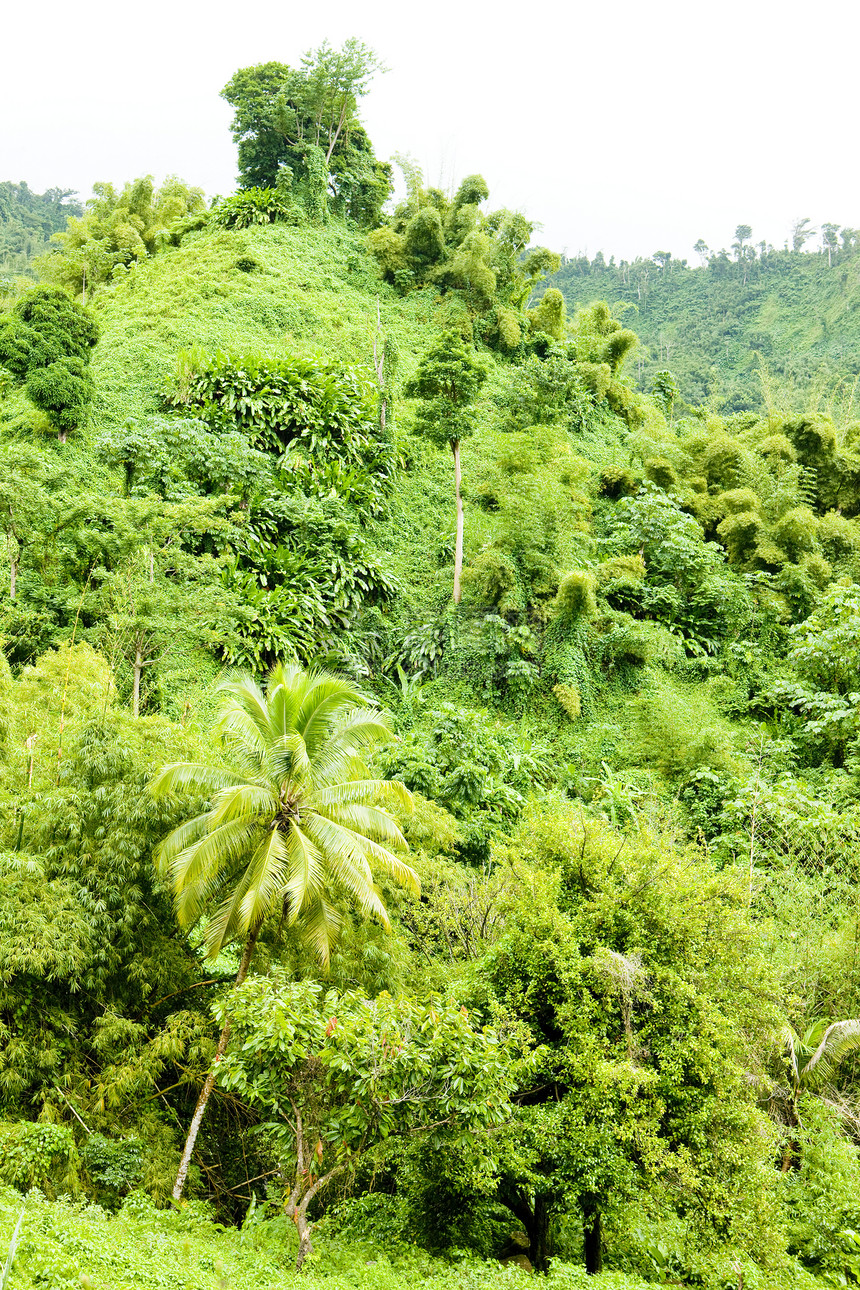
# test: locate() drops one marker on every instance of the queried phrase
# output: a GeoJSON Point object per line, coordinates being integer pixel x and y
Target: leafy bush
{"type": "Point", "coordinates": [39, 1155]}
{"type": "Point", "coordinates": [255, 206]}
{"type": "Point", "coordinates": [317, 419]}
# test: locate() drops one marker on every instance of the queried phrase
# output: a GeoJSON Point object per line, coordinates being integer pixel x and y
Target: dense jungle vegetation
{"type": "Point", "coordinates": [430, 783]}
{"type": "Point", "coordinates": [28, 221]}
{"type": "Point", "coordinates": [749, 327]}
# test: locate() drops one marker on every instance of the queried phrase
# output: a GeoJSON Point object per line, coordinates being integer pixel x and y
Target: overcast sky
{"type": "Point", "coordinates": [625, 127]}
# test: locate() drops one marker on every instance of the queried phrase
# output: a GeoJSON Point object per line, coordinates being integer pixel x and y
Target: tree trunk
{"type": "Point", "coordinates": [593, 1242]}
{"type": "Point", "coordinates": [209, 1082]}
{"type": "Point", "coordinates": [539, 1236]}
{"type": "Point", "coordinates": [138, 668]}
{"type": "Point", "coordinates": [296, 1204]}
{"type": "Point", "coordinates": [458, 550]}
{"type": "Point", "coordinates": [340, 125]}
{"type": "Point", "coordinates": [298, 1212]}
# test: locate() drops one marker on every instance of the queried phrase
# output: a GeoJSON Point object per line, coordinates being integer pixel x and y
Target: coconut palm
{"type": "Point", "coordinates": [813, 1058]}
{"type": "Point", "coordinates": [294, 823]}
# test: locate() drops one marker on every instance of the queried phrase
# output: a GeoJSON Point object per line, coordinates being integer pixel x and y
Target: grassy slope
{"type": "Point", "coordinates": [315, 292]}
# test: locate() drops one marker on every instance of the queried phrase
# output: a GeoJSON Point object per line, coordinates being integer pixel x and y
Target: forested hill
{"type": "Point", "coordinates": [796, 312]}
{"type": "Point", "coordinates": [28, 221]}
{"type": "Point", "coordinates": [429, 761]}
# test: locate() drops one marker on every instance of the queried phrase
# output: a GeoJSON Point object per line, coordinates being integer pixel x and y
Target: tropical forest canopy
{"type": "Point", "coordinates": [741, 323]}
{"type": "Point", "coordinates": [430, 736]}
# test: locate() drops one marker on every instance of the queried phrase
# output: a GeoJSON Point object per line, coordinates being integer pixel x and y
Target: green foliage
{"type": "Point", "coordinates": [63, 391]}
{"type": "Point", "coordinates": [548, 317]}
{"type": "Point", "coordinates": [40, 1155]}
{"type": "Point", "coordinates": [452, 244]}
{"type": "Point", "coordinates": [89, 941]}
{"type": "Point", "coordinates": [61, 1243]}
{"type": "Point", "coordinates": [253, 206]}
{"type": "Point", "coordinates": [631, 935]}
{"type": "Point", "coordinates": [336, 1074]}
{"type": "Point", "coordinates": [45, 342]}
{"type": "Point", "coordinates": [480, 770]}
{"type": "Point", "coordinates": [293, 822]}
{"type": "Point", "coordinates": [792, 308]}
{"type": "Point", "coordinates": [447, 382]}
{"type": "Point", "coordinates": [27, 222]}
{"type": "Point", "coordinates": [687, 587]}
{"type": "Point", "coordinates": [298, 129]}
{"type": "Point", "coordinates": [821, 1199]}
{"type": "Point", "coordinates": [575, 599]}
{"type": "Point", "coordinates": [275, 514]}
{"type": "Point", "coordinates": [45, 326]}
{"type": "Point", "coordinates": [178, 457]}
{"type": "Point", "coordinates": [317, 419]}
{"type": "Point", "coordinates": [117, 231]}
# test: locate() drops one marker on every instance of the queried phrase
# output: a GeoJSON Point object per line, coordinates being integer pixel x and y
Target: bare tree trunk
{"type": "Point", "coordinates": [340, 125]}
{"type": "Point", "coordinates": [209, 1083]}
{"type": "Point", "coordinates": [379, 368]}
{"type": "Point", "coordinates": [458, 550]}
{"type": "Point", "coordinates": [138, 668]}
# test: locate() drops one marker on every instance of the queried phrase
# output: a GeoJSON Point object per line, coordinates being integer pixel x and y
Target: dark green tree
{"type": "Point", "coordinates": [294, 125]}
{"type": "Point", "coordinates": [447, 382]}
{"type": "Point", "coordinates": [45, 343]}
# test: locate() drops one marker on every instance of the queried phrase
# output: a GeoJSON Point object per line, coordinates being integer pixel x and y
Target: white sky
{"type": "Point", "coordinates": [628, 127]}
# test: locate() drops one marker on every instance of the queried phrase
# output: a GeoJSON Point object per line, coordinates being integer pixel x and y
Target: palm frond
{"type": "Point", "coordinates": [335, 764]}
{"type": "Point", "coordinates": [307, 869]}
{"type": "Point", "coordinates": [202, 867]}
{"type": "Point", "coordinates": [190, 776]}
{"type": "Point", "coordinates": [364, 729]}
{"type": "Point", "coordinates": [369, 821]}
{"type": "Point", "coordinates": [348, 863]}
{"type": "Point", "coordinates": [249, 902]}
{"type": "Point", "coordinates": [792, 1042]}
{"type": "Point", "coordinates": [267, 875]}
{"type": "Point", "coordinates": [320, 927]}
{"type": "Point", "coordinates": [288, 759]}
{"type": "Point", "coordinates": [327, 698]}
{"type": "Point", "coordinates": [838, 1040]}
{"type": "Point", "coordinates": [362, 790]}
{"type": "Point", "coordinates": [182, 837]}
{"type": "Point", "coordinates": [244, 717]}
{"type": "Point", "coordinates": [295, 815]}
{"type": "Point", "coordinates": [244, 801]}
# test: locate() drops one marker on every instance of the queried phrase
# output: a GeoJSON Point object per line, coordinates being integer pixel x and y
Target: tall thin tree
{"type": "Point", "coordinates": [447, 382]}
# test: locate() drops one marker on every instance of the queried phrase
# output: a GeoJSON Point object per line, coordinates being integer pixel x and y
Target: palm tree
{"type": "Point", "coordinates": [294, 823]}
{"type": "Point", "coordinates": [813, 1058]}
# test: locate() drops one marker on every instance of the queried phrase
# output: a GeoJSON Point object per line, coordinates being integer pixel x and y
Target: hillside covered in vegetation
{"type": "Point", "coordinates": [746, 328]}
{"type": "Point", "coordinates": [28, 221]}
{"type": "Point", "coordinates": [429, 793]}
